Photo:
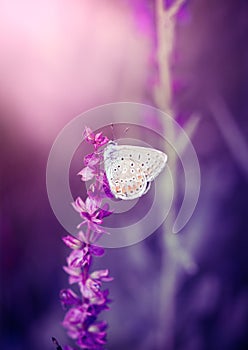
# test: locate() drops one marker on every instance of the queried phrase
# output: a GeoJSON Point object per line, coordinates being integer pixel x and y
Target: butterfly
{"type": "Point", "coordinates": [130, 169]}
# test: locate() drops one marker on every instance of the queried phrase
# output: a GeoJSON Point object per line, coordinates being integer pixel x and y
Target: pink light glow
{"type": "Point", "coordinates": [60, 58]}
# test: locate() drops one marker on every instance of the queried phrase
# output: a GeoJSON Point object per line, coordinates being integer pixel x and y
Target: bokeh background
{"type": "Point", "coordinates": [60, 58]}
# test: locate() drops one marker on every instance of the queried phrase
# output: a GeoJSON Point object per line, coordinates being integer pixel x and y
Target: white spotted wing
{"type": "Point", "coordinates": [130, 169]}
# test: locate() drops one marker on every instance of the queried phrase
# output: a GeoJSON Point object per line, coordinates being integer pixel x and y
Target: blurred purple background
{"type": "Point", "coordinates": [60, 58]}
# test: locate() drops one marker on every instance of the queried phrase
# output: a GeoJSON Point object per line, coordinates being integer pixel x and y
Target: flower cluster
{"type": "Point", "coordinates": [81, 319]}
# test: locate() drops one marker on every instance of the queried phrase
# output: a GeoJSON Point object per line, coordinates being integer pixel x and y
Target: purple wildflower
{"type": "Point", "coordinates": [91, 169]}
{"type": "Point", "coordinates": [97, 140]}
{"type": "Point", "coordinates": [69, 298]}
{"type": "Point", "coordinates": [83, 309]}
{"type": "Point", "coordinates": [87, 173]}
{"type": "Point", "coordinates": [91, 212]}
{"type": "Point", "coordinates": [72, 242]}
{"type": "Point", "coordinates": [94, 337]}
{"type": "Point", "coordinates": [91, 287]}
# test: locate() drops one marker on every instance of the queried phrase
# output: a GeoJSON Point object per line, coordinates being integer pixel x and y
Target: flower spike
{"type": "Point", "coordinates": [83, 308]}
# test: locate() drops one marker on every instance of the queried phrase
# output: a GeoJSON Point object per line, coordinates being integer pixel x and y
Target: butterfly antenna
{"type": "Point", "coordinates": [55, 342]}
{"type": "Point", "coordinates": [113, 132]}
{"type": "Point", "coordinates": [112, 129]}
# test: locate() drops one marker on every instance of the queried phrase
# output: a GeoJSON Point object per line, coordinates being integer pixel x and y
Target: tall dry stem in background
{"type": "Point", "coordinates": [172, 251]}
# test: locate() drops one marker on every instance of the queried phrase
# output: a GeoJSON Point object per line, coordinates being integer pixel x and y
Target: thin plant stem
{"type": "Point", "coordinates": [165, 24]}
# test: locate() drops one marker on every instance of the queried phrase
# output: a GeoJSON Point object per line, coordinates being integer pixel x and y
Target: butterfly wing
{"type": "Point", "coordinates": [125, 176]}
{"type": "Point", "coordinates": [150, 160]}
{"type": "Point", "coordinates": [130, 168]}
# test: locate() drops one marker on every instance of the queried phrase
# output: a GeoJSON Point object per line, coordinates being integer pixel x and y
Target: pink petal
{"type": "Point", "coordinates": [75, 272]}
{"type": "Point", "coordinates": [101, 275]}
{"type": "Point", "coordinates": [86, 174]}
{"type": "Point", "coordinates": [79, 205]}
{"type": "Point", "coordinates": [81, 236]}
{"type": "Point", "coordinates": [91, 160]}
{"type": "Point", "coordinates": [72, 242]}
{"type": "Point", "coordinates": [87, 133]}
{"type": "Point", "coordinates": [91, 205]}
